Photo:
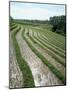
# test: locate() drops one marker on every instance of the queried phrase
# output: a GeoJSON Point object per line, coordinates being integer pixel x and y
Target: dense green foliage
{"type": "Point", "coordinates": [59, 24]}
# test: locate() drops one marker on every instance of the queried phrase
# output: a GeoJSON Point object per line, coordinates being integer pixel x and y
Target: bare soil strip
{"type": "Point", "coordinates": [42, 75]}
{"type": "Point", "coordinates": [58, 48]}
{"type": "Point", "coordinates": [51, 47]}
{"type": "Point", "coordinates": [47, 56]}
{"type": "Point", "coordinates": [16, 77]}
{"type": "Point", "coordinates": [51, 38]}
{"type": "Point", "coordinates": [59, 59]}
{"type": "Point", "coordinates": [30, 41]}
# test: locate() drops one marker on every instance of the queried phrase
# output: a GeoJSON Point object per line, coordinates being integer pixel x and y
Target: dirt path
{"type": "Point", "coordinates": [16, 78]}
{"type": "Point", "coordinates": [41, 74]}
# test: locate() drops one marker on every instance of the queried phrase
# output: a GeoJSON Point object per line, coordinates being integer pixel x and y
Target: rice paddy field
{"type": "Point", "coordinates": [37, 56]}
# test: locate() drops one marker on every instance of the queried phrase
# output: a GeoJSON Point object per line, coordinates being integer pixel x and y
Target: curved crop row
{"type": "Point", "coordinates": [13, 27]}
{"type": "Point", "coordinates": [50, 47]}
{"type": "Point", "coordinates": [46, 55]}
{"type": "Point", "coordinates": [50, 66]}
{"type": "Point", "coordinates": [53, 38]}
{"type": "Point", "coordinates": [50, 52]}
{"type": "Point", "coordinates": [11, 24]}
{"type": "Point", "coordinates": [53, 35]}
{"type": "Point", "coordinates": [59, 49]}
{"type": "Point", "coordinates": [27, 74]}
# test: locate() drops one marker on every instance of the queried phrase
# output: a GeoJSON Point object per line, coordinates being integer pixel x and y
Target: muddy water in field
{"type": "Point", "coordinates": [41, 74]}
{"type": "Point", "coordinates": [16, 77]}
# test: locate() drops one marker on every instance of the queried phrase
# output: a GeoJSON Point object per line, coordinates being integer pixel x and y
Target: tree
{"type": "Point", "coordinates": [59, 24]}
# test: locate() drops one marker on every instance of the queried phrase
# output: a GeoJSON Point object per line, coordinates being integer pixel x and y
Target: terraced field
{"type": "Point", "coordinates": [37, 57]}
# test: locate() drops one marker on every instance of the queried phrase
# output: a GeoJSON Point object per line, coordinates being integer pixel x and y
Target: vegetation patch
{"type": "Point", "coordinates": [44, 39]}
{"type": "Point", "coordinates": [27, 74]}
{"type": "Point", "coordinates": [51, 47]}
{"type": "Point", "coordinates": [48, 50]}
{"type": "Point", "coordinates": [50, 66]}
{"type": "Point", "coordinates": [13, 27]}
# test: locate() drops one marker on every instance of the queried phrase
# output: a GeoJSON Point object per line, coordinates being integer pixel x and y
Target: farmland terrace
{"type": "Point", "coordinates": [37, 56]}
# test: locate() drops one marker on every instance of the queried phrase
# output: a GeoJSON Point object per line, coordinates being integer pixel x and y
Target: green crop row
{"type": "Point", "coordinates": [50, 52]}
{"type": "Point", "coordinates": [54, 38]}
{"type": "Point", "coordinates": [27, 74]}
{"type": "Point", "coordinates": [50, 47]}
{"type": "Point", "coordinates": [13, 27]}
{"type": "Point", "coordinates": [50, 66]}
{"type": "Point", "coordinates": [47, 41]}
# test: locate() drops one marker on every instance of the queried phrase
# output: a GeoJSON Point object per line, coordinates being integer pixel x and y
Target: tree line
{"type": "Point", "coordinates": [58, 23]}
